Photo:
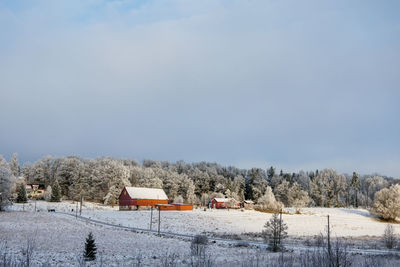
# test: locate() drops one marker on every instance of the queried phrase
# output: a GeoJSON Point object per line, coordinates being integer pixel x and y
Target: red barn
{"type": "Point", "coordinates": [135, 197]}
{"type": "Point", "coordinates": [225, 203]}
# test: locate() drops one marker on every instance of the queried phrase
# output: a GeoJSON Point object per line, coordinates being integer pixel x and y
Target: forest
{"type": "Point", "coordinates": [102, 179]}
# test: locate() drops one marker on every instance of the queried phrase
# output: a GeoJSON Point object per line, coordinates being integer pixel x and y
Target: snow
{"type": "Point", "coordinates": [60, 240]}
{"type": "Point", "coordinates": [344, 222]}
{"type": "Point", "coordinates": [146, 193]}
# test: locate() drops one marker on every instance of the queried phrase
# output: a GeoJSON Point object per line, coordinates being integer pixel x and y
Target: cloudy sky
{"type": "Point", "coordinates": [294, 84]}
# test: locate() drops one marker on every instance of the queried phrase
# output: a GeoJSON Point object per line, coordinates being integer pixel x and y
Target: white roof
{"type": "Point", "coordinates": [146, 193]}
{"type": "Point", "coordinates": [218, 199]}
{"type": "Point", "coordinates": [249, 202]}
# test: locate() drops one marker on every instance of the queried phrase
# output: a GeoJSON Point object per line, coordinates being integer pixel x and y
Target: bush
{"type": "Point", "coordinates": [386, 203]}
{"type": "Point", "coordinates": [199, 245]}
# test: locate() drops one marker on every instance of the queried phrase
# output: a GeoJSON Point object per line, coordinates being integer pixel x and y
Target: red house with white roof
{"type": "Point", "coordinates": [225, 203]}
{"type": "Point", "coordinates": [135, 197]}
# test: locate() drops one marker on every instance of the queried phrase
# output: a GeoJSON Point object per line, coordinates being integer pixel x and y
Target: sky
{"type": "Point", "coordinates": [299, 85]}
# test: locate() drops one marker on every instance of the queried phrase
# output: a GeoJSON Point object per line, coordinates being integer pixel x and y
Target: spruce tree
{"type": "Point", "coordinates": [56, 193]}
{"type": "Point", "coordinates": [275, 230]}
{"type": "Point", "coordinates": [90, 248]}
{"type": "Point", "coordinates": [355, 183]}
{"type": "Point", "coordinates": [21, 198]}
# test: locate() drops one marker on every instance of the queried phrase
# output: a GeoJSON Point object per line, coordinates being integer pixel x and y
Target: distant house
{"type": "Point", "coordinates": [225, 203]}
{"type": "Point", "coordinates": [35, 191]}
{"type": "Point", "coordinates": [248, 204]}
{"type": "Point", "coordinates": [136, 197]}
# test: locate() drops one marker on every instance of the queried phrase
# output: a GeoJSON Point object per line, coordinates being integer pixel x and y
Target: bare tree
{"type": "Point", "coordinates": [389, 237]}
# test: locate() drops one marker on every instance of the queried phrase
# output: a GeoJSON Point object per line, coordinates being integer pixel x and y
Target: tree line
{"type": "Point", "coordinates": [102, 179]}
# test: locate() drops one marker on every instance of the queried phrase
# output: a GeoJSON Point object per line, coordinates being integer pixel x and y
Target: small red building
{"type": "Point", "coordinates": [135, 197]}
{"type": "Point", "coordinates": [225, 203]}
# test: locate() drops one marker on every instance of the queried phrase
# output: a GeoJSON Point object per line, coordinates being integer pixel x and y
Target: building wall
{"type": "Point", "coordinates": [150, 202]}
{"type": "Point", "coordinates": [218, 205]}
{"type": "Point", "coordinates": [177, 207]}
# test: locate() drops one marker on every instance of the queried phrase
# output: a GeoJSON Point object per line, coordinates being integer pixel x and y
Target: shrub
{"type": "Point", "coordinates": [386, 203]}
{"type": "Point", "coordinates": [199, 245]}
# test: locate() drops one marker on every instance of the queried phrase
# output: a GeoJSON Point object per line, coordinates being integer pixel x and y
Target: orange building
{"type": "Point", "coordinates": [176, 207]}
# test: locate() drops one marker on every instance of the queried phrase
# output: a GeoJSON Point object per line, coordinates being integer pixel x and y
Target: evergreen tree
{"type": "Point", "coordinates": [270, 174]}
{"type": "Point", "coordinates": [56, 192]}
{"type": "Point", "coordinates": [275, 231]}
{"type": "Point", "coordinates": [90, 248]}
{"type": "Point", "coordinates": [355, 184]}
{"type": "Point", "coordinates": [21, 198]}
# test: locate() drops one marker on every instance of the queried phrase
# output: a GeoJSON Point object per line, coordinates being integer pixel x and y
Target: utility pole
{"type": "Point", "coordinates": [151, 217]}
{"type": "Point", "coordinates": [280, 227]}
{"type": "Point", "coordinates": [329, 239]}
{"type": "Point", "coordinates": [159, 219]}
{"type": "Point", "coordinates": [80, 209]}
{"type": "Point", "coordinates": [76, 211]}
{"type": "Point", "coordinates": [35, 204]}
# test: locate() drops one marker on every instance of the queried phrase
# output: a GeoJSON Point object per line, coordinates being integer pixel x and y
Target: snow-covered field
{"type": "Point", "coordinates": [312, 221]}
{"type": "Point", "coordinates": [60, 238]}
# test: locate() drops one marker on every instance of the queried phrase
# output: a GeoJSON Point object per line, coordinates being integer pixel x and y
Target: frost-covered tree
{"type": "Point", "coordinates": [48, 193]}
{"type": "Point", "coordinates": [386, 203]}
{"type": "Point", "coordinates": [256, 184]}
{"type": "Point", "coordinates": [14, 165]}
{"type": "Point", "coordinates": [281, 192]}
{"type": "Point", "coordinates": [5, 184]}
{"type": "Point", "coordinates": [373, 185]}
{"type": "Point", "coordinates": [297, 197]}
{"type": "Point", "coordinates": [326, 188]}
{"type": "Point", "coordinates": [268, 202]}
{"type": "Point", "coordinates": [389, 236]}
{"type": "Point", "coordinates": [205, 199]}
{"type": "Point", "coordinates": [178, 199]}
{"type": "Point", "coordinates": [112, 196]}
{"type": "Point", "coordinates": [304, 180]}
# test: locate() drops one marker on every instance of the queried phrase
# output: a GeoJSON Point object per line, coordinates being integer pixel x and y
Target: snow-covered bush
{"type": "Point", "coordinates": [268, 202]}
{"type": "Point", "coordinates": [386, 203]}
{"type": "Point", "coordinates": [178, 199]}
